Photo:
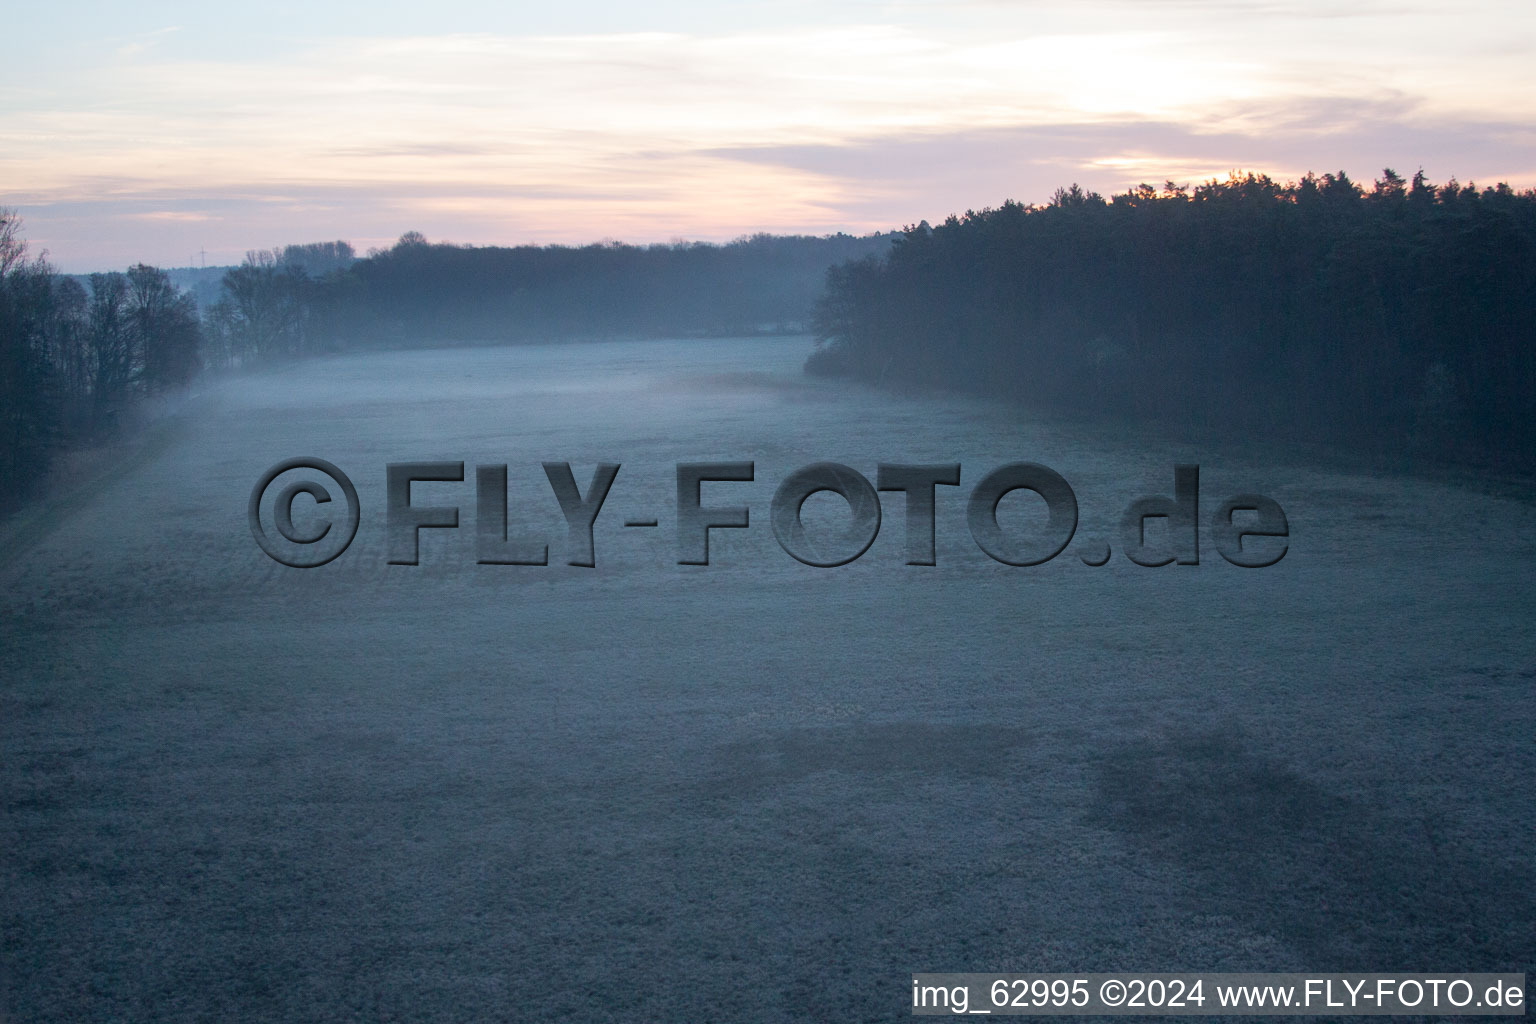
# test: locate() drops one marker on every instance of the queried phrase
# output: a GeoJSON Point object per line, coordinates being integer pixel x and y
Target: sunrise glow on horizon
{"type": "Point", "coordinates": [175, 133]}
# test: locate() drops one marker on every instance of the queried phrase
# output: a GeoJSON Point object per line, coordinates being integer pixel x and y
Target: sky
{"type": "Point", "coordinates": [177, 134]}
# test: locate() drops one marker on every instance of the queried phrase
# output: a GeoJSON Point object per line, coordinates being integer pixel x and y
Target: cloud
{"type": "Point", "coordinates": [946, 172]}
{"type": "Point", "coordinates": [654, 134]}
{"type": "Point", "coordinates": [185, 216]}
{"type": "Point", "coordinates": [144, 41]}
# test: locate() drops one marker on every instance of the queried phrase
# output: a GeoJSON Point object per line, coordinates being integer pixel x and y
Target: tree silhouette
{"type": "Point", "coordinates": [72, 361]}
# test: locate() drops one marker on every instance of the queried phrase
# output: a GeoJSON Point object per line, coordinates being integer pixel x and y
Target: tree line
{"type": "Point", "coordinates": [78, 352]}
{"type": "Point", "coordinates": [320, 298]}
{"type": "Point", "coordinates": [1395, 317]}
{"type": "Point", "coordinates": [1398, 317]}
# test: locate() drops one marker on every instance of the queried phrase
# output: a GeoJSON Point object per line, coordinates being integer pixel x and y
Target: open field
{"type": "Point", "coordinates": [750, 791]}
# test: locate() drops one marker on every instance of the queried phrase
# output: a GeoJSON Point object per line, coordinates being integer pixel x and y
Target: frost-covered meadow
{"type": "Point", "coordinates": [750, 791]}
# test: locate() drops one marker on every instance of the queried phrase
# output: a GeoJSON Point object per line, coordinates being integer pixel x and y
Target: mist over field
{"type": "Point", "coordinates": [733, 512]}
{"type": "Point", "coordinates": [753, 790]}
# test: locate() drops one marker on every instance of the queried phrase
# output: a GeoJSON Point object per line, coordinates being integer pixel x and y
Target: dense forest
{"type": "Point", "coordinates": [1400, 317]}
